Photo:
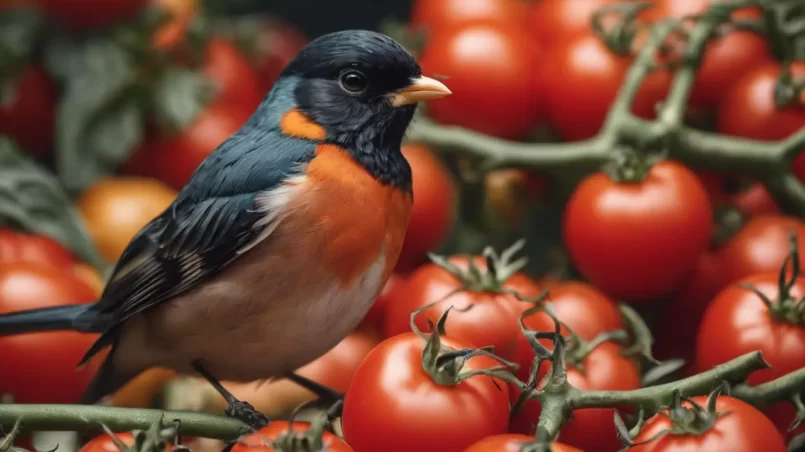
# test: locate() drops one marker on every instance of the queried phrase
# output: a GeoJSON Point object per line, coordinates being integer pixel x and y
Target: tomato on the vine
{"type": "Point", "coordinates": [28, 286]}
{"type": "Point", "coordinates": [434, 209]}
{"type": "Point", "coordinates": [495, 75]}
{"type": "Point", "coordinates": [261, 440]}
{"type": "Point", "coordinates": [83, 14]}
{"type": "Point", "coordinates": [554, 21]}
{"type": "Point", "coordinates": [105, 443]}
{"type": "Point", "coordinates": [584, 77]}
{"type": "Point", "coordinates": [512, 442]}
{"type": "Point", "coordinates": [236, 80]}
{"type": "Point", "coordinates": [638, 240]}
{"type": "Point", "coordinates": [738, 427]}
{"type": "Point", "coordinates": [491, 320]}
{"type": "Point", "coordinates": [751, 199]}
{"type": "Point", "coordinates": [29, 116]}
{"type": "Point", "coordinates": [17, 247]}
{"type": "Point", "coordinates": [434, 15]}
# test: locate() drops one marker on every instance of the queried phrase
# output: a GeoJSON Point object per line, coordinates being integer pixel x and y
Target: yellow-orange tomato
{"type": "Point", "coordinates": [181, 13]}
{"type": "Point", "coordinates": [140, 392]}
{"type": "Point", "coordinates": [115, 209]}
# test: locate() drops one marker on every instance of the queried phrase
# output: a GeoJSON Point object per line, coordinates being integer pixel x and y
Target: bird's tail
{"type": "Point", "coordinates": [71, 317]}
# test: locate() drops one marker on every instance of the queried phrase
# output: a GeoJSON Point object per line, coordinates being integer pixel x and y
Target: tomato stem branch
{"type": "Point", "coordinates": [779, 390]}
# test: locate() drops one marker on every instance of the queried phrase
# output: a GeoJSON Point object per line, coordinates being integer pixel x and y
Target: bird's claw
{"type": "Point", "coordinates": [245, 412]}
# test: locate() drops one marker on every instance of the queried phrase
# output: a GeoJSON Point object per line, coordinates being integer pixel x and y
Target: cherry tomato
{"type": "Point", "coordinates": [29, 116]}
{"type": "Point", "coordinates": [492, 320]}
{"type": "Point", "coordinates": [638, 241]}
{"type": "Point", "coordinates": [495, 76]}
{"type": "Point", "coordinates": [553, 21]}
{"type": "Point", "coordinates": [748, 108]}
{"type": "Point", "coordinates": [435, 15]}
{"type": "Point", "coordinates": [17, 247]}
{"type": "Point", "coordinates": [174, 159]}
{"type": "Point", "coordinates": [584, 77]}
{"type": "Point", "coordinates": [276, 44]}
{"type": "Point", "coordinates": [29, 286]}
{"type": "Point", "coordinates": [760, 246]}
{"type": "Point", "coordinates": [83, 14]}
{"type": "Point", "coordinates": [375, 318]}
{"type": "Point", "coordinates": [742, 428]}
{"type": "Point", "coordinates": [512, 443]}
{"type": "Point", "coordinates": [237, 81]}
{"type": "Point", "coordinates": [590, 429]}
{"type": "Point", "coordinates": [393, 405]}
{"type": "Point", "coordinates": [727, 190]}
{"type": "Point", "coordinates": [175, 31]}
{"type": "Point", "coordinates": [105, 443]}
{"type": "Point", "coordinates": [261, 440]}
{"type": "Point", "coordinates": [434, 210]}
{"type": "Point", "coordinates": [116, 208]}
{"type": "Point", "coordinates": [578, 305]}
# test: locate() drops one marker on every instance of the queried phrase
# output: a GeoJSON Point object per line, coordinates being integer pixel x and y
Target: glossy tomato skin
{"type": "Point", "coordinates": [491, 321]}
{"type": "Point", "coordinates": [584, 77]}
{"type": "Point", "coordinates": [435, 15]}
{"type": "Point", "coordinates": [174, 159]}
{"type": "Point", "coordinates": [590, 429]}
{"type": "Point", "coordinates": [105, 443]}
{"type": "Point", "coordinates": [553, 21]}
{"type": "Point", "coordinates": [29, 286]}
{"type": "Point", "coordinates": [638, 241]}
{"type": "Point", "coordinates": [751, 200]}
{"type": "Point", "coordinates": [29, 117]}
{"type": "Point", "coordinates": [495, 76]}
{"type": "Point", "coordinates": [260, 441]}
{"type": "Point", "coordinates": [434, 209]}
{"type": "Point", "coordinates": [276, 44]}
{"type": "Point", "coordinates": [742, 429]}
{"type": "Point", "coordinates": [84, 14]}
{"type": "Point", "coordinates": [374, 320]}
{"type": "Point", "coordinates": [394, 406]}
{"type": "Point", "coordinates": [512, 442]}
{"type": "Point", "coordinates": [236, 80]}
{"type": "Point", "coordinates": [17, 247]}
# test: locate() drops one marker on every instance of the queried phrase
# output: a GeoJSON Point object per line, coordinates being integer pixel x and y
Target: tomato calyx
{"type": "Point", "coordinates": [578, 349]}
{"type": "Point", "coordinates": [689, 421]}
{"type": "Point", "coordinates": [785, 308]}
{"type": "Point", "coordinates": [499, 268]}
{"type": "Point", "coordinates": [789, 90]}
{"type": "Point", "coordinates": [311, 440]}
{"type": "Point", "coordinates": [728, 221]}
{"type": "Point", "coordinates": [619, 38]}
{"type": "Point", "coordinates": [630, 167]}
{"type": "Point", "coordinates": [155, 439]}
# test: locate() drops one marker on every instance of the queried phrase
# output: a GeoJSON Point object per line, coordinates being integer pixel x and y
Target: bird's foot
{"type": "Point", "coordinates": [235, 408]}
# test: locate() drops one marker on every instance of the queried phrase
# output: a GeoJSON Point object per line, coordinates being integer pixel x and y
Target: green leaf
{"type": "Point", "coordinates": [32, 199]}
{"type": "Point", "coordinates": [180, 96]}
{"type": "Point", "coordinates": [100, 120]}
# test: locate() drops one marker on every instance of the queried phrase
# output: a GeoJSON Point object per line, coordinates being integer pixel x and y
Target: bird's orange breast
{"type": "Point", "coordinates": [360, 217]}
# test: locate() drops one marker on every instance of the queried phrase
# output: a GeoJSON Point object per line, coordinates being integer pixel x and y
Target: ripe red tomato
{"type": "Point", "coordinates": [173, 160]}
{"type": "Point", "coordinates": [748, 109]}
{"type": "Point", "coordinates": [605, 369]}
{"type": "Point", "coordinates": [584, 76]}
{"type": "Point", "coordinates": [374, 320]}
{"type": "Point", "coordinates": [434, 209]}
{"type": "Point", "coordinates": [638, 241]}
{"type": "Point", "coordinates": [393, 405]}
{"type": "Point", "coordinates": [237, 81]}
{"type": "Point", "coordinates": [512, 443]}
{"type": "Point", "coordinates": [105, 443]}
{"type": "Point", "coordinates": [553, 21]}
{"type": "Point", "coordinates": [726, 190]}
{"type": "Point", "coordinates": [435, 15]}
{"type": "Point", "coordinates": [760, 246]}
{"type": "Point", "coordinates": [491, 321]}
{"type": "Point", "coordinates": [495, 76]}
{"type": "Point", "coordinates": [742, 428]}
{"type": "Point", "coordinates": [261, 440]}
{"type": "Point", "coordinates": [83, 14]}
{"type": "Point", "coordinates": [18, 247]}
{"type": "Point", "coordinates": [29, 116]}
{"type": "Point", "coordinates": [276, 44]}
{"type": "Point", "coordinates": [28, 286]}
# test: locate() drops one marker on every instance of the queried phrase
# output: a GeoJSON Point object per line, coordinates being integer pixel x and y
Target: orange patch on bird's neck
{"type": "Point", "coordinates": [297, 125]}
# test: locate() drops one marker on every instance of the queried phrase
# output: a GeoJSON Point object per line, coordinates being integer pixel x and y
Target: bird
{"type": "Point", "coordinates": [281, 240]}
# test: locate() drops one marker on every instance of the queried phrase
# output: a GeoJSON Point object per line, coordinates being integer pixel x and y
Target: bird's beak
{"type": "Point", "coordinates": [420, 89]}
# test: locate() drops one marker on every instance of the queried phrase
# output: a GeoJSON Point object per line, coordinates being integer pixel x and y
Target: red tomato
{"type": "Point", "coordinates": [748, 108]}
{"type": "Point", "coordinates": [375, 318]}
{"type": "Point", "coordinates": [512, 443]}
{"type": "Point", "coordinates": [105, 443]}
{"type": "Point", "coordinates": [491, 321]}
{"type": "Point", "coordinates": [434, 210]}
{"type": "Point", "coordinates": [393, 405]}
{"type": "Point", "coordinates": [553, 21]}
{"type": "Point", "coordinates": [590, 429]}
{"type": "Point", "coordinates": [638, 241]}
{"type": "Point", "coordinates": [495, 76]}
{"type": "Point", "coordinates": [261, 440]}
{"type": "Point", "coordinates": [741, 429]}
{"type": "Point", "coordinates": [18, 247]}
{"type": "Point", "coordinates": [751, 200]}
{"type": "Point", "coordinates": [28, 286]}
{"type": "Point", "coordinates": [29, 116]}
{"type": "Point", "coordinates": [234, 76]}
{"type": "Point", "coordinates": [276, 44]}
{"type": "Point", "coordinates": [578, 305]}
{"type": "Point", "coordinates": [760, 246]}
{"type": "Point", "coordinates": [173, 160]}
{"type": "Point", "coordinates": [82, 14]}
{"type": "Point", "coordinates": [435, 15]}
{"type": "Point", "coordinates": [584, 77]}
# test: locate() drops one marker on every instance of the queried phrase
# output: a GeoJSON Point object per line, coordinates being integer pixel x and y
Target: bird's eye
{"type": "Point", "coordinates": [353, 81]}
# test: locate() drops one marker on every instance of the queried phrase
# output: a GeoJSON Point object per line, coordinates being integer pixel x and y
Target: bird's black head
{"type": "Point", "coordinates": [362, 88]}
